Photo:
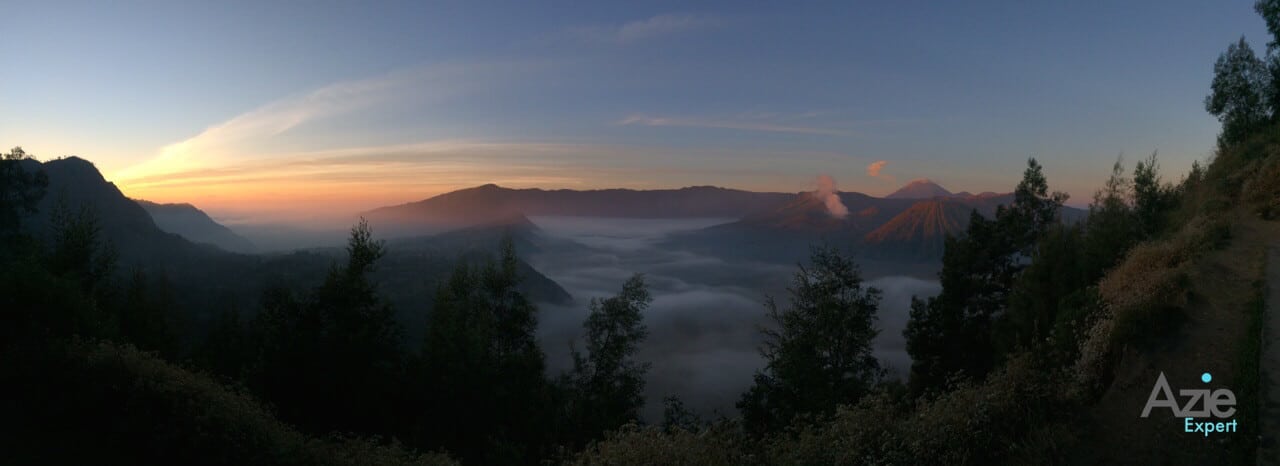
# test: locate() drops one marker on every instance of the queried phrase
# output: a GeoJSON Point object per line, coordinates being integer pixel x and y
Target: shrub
{"type": "Point", "coordinates": [1152, 279]}
{"type": "Point", "coordinates": [971, 424]}
{"type": "Point", "coordinates": [722, 443]}
{"type": "Point", "coordinates": [1262, 191]}
{"type": "Point", "coordinates": [118, 405]}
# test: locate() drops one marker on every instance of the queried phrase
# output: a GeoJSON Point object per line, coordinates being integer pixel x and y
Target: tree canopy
{"type": "Point", "coordinates": [818, 354]}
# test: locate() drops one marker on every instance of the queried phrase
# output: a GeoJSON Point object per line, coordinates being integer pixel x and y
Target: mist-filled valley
{"type": "Point", "coordinates": [706, 312]}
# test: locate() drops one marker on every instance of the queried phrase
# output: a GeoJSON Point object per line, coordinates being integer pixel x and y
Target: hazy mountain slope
{"type": "Point", "coordinates": [76, 183]}
{"type": "Point", "coordinates": [921, 230]}
{"type": "Point", "coordinates": [193, 224]}
{"type": "Point", "coordinates": [489, 203]}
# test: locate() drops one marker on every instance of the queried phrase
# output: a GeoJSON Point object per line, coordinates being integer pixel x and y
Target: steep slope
{"type": "Point", "coordinates": [75, 183]}
{"type": "Point", "coordinates": [1199, 320]}
{"type": "Point", "coordinates": [193, 224]}
{"type": "Point", "coordinates": [922, 229]}
{"type": "Point", "coordinates": [922, 188]}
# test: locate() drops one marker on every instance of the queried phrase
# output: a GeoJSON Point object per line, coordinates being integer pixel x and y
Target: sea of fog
{"type": "Point", "coordinates": [706, 312]}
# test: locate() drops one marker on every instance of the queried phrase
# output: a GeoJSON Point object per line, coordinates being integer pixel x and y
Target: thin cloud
{"type": "Point", "coordinates": [736, 124]}
{"type": "Point", "coordinates": [351, 179]}
{"type": "Point", "coordinates": [248, 133]}
{"type": "Point", "coordinates": [875, 168]}
{"type": "Point", "coordinates": [646, 29]}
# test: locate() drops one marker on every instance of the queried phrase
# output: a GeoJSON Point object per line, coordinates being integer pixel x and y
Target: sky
{"type": "Point", "coordinates": [305, 109]}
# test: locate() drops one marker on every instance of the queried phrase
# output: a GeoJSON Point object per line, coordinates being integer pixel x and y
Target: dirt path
{"type": "Point", "coordinates": [1209, 334]}
{"type": "Point", "coordinates": [1269, 399]}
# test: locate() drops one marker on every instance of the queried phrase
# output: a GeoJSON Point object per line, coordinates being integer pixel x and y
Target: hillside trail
{"type": "Point", "coordinates": [1207, 336]}
{"type": "Point", "coordinates": [1269, 401]}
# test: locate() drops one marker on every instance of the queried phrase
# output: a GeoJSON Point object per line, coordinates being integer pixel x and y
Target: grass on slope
{"type": "Point", "coordinates": [92, 402]}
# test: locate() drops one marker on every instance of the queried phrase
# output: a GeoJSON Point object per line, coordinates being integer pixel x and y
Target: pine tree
{"type": "Point", "coordinates": [952, 334]}
{"type": "Point", "coordinates": [331, 361]}
{"type": "Point", "coordinates": [482, 367]}
{"type": "Point", "coordinates": [819, 355]}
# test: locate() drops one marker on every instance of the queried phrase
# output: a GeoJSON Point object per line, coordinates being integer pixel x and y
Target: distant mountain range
{"type": "Point", "coordinates": [490, 204]}
{"type": "Point", "coordinates": [465, 224]}
{"type": "Point", "coordinates": [909, 224]}
{"type": "Point", "coordinates": [894, 230]}
{"type": "Point", "coordinates": [193, 224]}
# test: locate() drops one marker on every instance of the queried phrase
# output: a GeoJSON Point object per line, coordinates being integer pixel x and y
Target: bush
{"type": "Point", "coordinates": [722, 443]}
{"type": "Point", "coordinates": [1152, 279]}
{"type": "Point", "coordinates": [118, 405]}
{"type": "Point", "coordinates": [1262, 191]}
{"type": "Point", "coordinates": [971, 424]}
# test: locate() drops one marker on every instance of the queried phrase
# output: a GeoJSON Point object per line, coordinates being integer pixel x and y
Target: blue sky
{"type": "Point", "coordinates": [246, 107]}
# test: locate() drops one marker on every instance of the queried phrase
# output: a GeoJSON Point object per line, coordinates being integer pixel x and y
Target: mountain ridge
{"type": "Point", "coordinates": [490, 203]}
{"type": "Point", "coordinates": [190, 222]}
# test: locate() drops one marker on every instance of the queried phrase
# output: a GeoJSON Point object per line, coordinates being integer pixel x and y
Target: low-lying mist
{"type": "Point", "coordinates": [705, 317]}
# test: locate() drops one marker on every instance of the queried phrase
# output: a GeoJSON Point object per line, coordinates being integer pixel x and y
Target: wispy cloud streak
{"type": "Point", "coordinates": [735, 124]}
{"type": "Point", "coordinates": [256, 132]}
{"type": "Point", "coordinates": [646, 29]}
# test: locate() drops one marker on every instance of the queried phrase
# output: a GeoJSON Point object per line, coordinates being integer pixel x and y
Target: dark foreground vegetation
{"type": "Point", "coordinates": [1024, 339]}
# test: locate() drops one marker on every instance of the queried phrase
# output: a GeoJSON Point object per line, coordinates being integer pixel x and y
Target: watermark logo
{"type": "Point", "coordinates": [1197, 404]}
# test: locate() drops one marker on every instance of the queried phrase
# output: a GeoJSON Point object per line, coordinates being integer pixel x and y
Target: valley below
{"type": "Point", "coordinates": [704, 338]}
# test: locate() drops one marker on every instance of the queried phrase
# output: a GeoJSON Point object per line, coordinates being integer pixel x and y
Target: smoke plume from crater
{"type": "Point", "coordinates": [828, 194]}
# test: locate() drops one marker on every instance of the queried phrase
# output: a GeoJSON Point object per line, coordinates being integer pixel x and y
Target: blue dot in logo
{"type": "Point", "coordinates": [1206, 377]}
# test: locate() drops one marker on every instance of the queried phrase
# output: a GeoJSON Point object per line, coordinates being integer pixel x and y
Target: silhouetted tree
{"type": "Point", "coordinates": [20, 190]}
{"type": "Point", "coordinates": [607, 383]}
{"type": "Point", "coordinates": [1033, 210]}
{"type": "Point", "coordinates": [676, 416]}
{"type": "Point", "coordinates": [1111, 228]}
{"type": "Point", "coordinates": [952, 333]}
{"type": "Point", "coordinates": [1152, 199]}
{"type": "Point", "coordinates": [483, 368]}
{"type": "Point", "coordinates": [144, 315]}
{"type": "Point", "coordinates": [1270, 12]}
{"type": "Point", "coordinates": [1044, 292]}
{"type": "Point", "coordinates": [226, 349]}
{"type": "Point", "coordinates": [331, 361]}
{"type": "Point", "coordinates": [819, 355]}
{"type": "Point", "coordinates": [77, 250]}
{"type": "Point", "coordinates": [1238, 97]}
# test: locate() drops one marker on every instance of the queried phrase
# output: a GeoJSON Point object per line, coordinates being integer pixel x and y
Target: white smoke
{"type": "Point", "coordinates": [827, 193]}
